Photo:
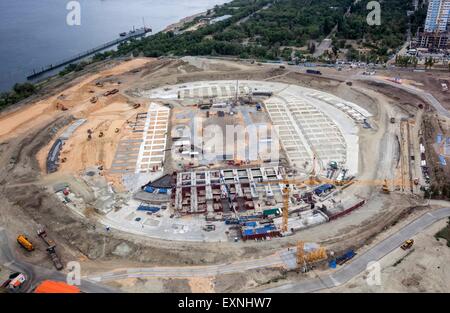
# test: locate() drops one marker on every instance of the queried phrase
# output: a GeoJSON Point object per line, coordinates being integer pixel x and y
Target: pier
{"type": "Point", "coordinates": [141, 32]}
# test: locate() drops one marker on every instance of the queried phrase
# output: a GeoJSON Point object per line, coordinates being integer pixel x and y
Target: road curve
{"type": "Point", "coordinates": [360, 263]}
{"type": "Point", "coordinates": [426, 96]}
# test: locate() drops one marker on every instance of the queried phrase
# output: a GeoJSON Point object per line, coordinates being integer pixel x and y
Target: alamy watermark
{"type": "Point", "coordinates": [374, 16]}
{"type": "Point", "coordinates": [373, 274]}
{"type": "Point", "coordinates": [73, 277]}
{"type": "Point", "coordinates": [73, 17]}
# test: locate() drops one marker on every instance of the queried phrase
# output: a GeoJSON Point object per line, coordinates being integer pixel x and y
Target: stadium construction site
{"type": "Point", "coordinates": [214, 152]}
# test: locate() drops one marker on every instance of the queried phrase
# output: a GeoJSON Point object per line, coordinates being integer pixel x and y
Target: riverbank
{"type": "Point", "coordinates": [36, 34]}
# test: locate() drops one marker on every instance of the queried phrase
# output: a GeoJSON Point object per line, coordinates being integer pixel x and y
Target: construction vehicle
{"type": "Point", "coordinates": [55, 258]}
{"type": "Point", "coordinates": [99, 84]}
{"type": "Point", "coordinates": [407, 244]}
{"type": "Point", "coordinates": [117, 130]}
{"type": "Point", "coordinates": [392, 120]}
{"type": "Point", "coordinates": [94, 99]}
{"type": "Point", "coordinates": [209, 227]}
{"type": "Point", "coordinates": [25, 243]}
{"type": "Point", "coordinates": [111, 92]}
{"type": "Point", "coordinates": [51, 248]}
{"type": "Point", "coordinates": [14, 282]}
{"type": "Point", "coordinates": [101, 134]}
{"type": "Point", "coordinates": [61, 107]}
{"type": "Point", "coordinates": [136, 106]}
{"type": "Point", "coordinates": [385, 188]}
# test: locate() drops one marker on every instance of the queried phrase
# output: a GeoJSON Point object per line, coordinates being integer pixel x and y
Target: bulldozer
{"type": "Point", "coordinates": [94, 99]}
{"type": "Point", "coordinates": [101, 134]}
{"type": "Point", "coordinates": [117, 130]}
{"type": "Point", "coordinates": [407, 244]}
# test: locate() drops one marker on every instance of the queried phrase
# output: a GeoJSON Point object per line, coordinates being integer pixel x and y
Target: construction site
{"type": "Point", "coordinates": [193, 161]}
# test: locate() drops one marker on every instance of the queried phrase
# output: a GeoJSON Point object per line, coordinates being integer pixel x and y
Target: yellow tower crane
{"type": "Point", "coordinates": [286, 196]}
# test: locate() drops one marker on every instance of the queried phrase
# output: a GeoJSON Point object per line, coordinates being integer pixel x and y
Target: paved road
{"type": "Point", "coordinates": [36, 274]}
{"type": "Point", "coordinates": [284, 258]}
{"type": "Point", "coordinates": [426, 96]}
{"type": "Point", "coordinates": [359, 264]}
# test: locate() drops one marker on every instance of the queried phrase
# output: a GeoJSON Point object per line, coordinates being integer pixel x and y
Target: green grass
{"type": "Point", "coordinates": [444, 234]}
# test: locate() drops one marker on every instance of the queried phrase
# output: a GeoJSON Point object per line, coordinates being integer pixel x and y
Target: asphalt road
{"type": "Point", "coordinates": [36, 274]}
{"type": "Point", "coordinates": [356, 266]}
{"type": "Point", "coordinates": [359, 264]}
{"type": "Point", "coordinates": [92, 284]}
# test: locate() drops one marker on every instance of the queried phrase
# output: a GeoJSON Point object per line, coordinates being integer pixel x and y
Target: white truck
{"type": "Point", "coordinates": [15, 282]}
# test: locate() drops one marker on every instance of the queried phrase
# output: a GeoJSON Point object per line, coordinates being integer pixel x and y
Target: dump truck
{"type": "Point", "coordinates": [25, 243]}
{"type": "Point", "coordinates": [49, 286]}
{"type": "Point", "coordinates": [407, 244]}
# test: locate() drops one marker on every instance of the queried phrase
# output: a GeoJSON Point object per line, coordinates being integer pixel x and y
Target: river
{"type": "Point", "coordinates": [35, 33]}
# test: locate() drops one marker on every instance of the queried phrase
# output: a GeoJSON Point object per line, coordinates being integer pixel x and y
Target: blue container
{"type": "Point", "coordinates": [149, 189]}
{"type": "Point", "coordinates": [332, 264]}
{"type": "Point", "coordinates": [145, 208]}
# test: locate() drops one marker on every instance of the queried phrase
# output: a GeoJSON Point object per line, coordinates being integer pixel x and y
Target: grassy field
{"type": "Point", "coordinates": [445, 233]}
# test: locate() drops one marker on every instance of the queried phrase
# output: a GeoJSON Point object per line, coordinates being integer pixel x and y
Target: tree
{"type": "Point", "coordinates": [312, 48]}
{"type": "Point", "coordinates": [429, 62]}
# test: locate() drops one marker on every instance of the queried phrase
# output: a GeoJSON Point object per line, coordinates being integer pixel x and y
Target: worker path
{"type": "Point", "coordinates": [194, 271]}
